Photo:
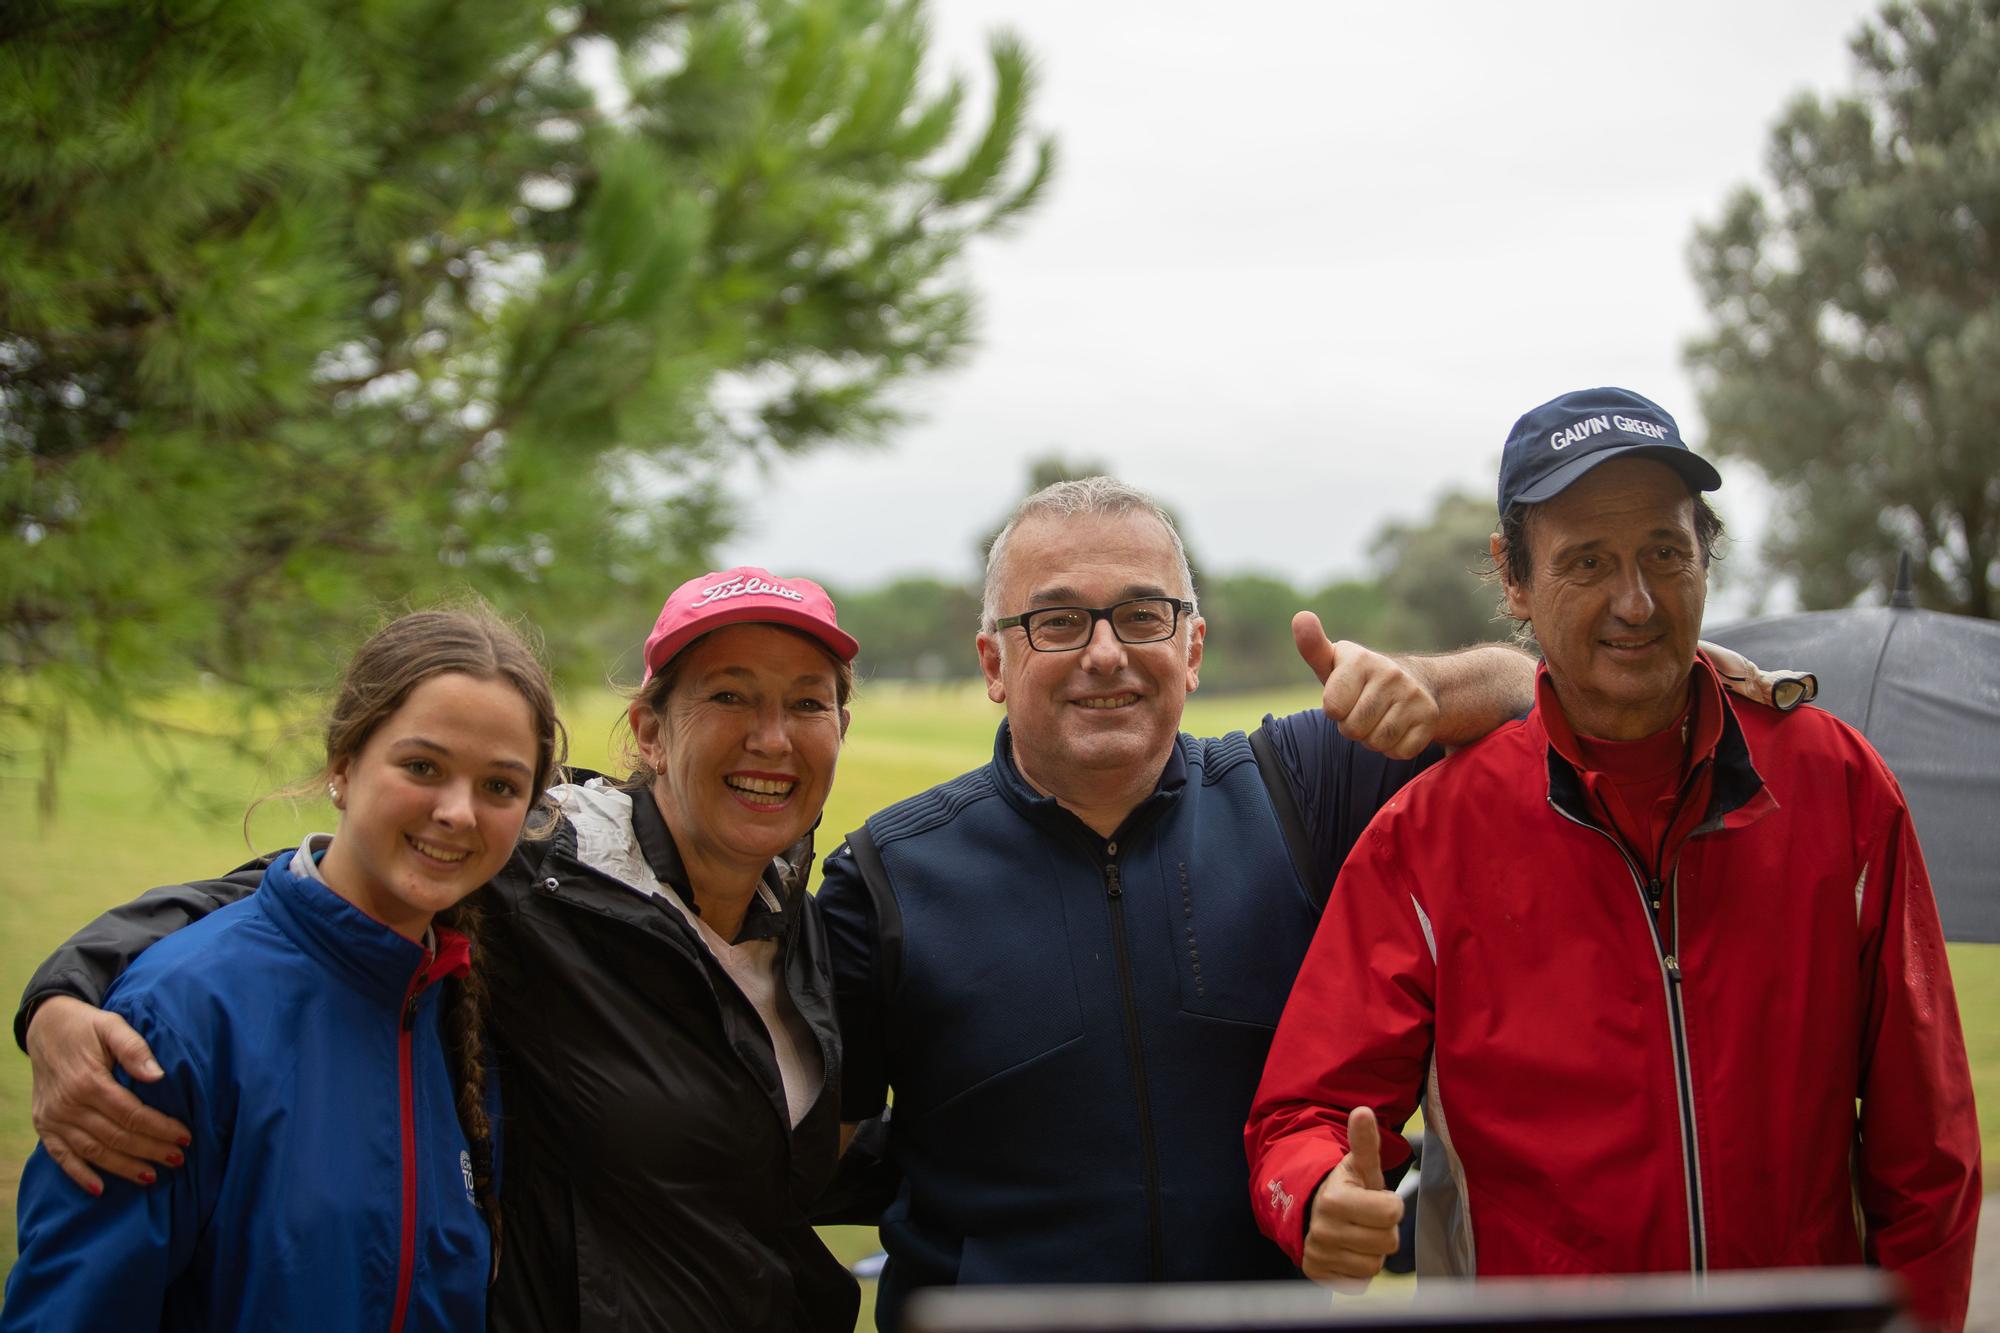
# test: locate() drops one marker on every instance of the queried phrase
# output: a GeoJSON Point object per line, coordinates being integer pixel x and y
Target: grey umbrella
{"type": "Point", "coordinates": [1924, 688]}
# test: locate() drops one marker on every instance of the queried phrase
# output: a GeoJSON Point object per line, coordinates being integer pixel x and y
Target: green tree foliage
{"type": "Point", "coordinates": [1353, 609]}
{"type": "Point", "coordinates": [1434, 597]}
{"type": "Point", "coordinates": [1855, 354]}
{"type": "Point", "coordinates": [914, 629]}
{"type": "Point", "coordinates": [1249, 615]}
{"type": "Point", "coordinates": [1249, 642]}
{"type": "Point", "coordinates": [1426, 596]}
{"type": "Point", "coordinates": [307, 307]}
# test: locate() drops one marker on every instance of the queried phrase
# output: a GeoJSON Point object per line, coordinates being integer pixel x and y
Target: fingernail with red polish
{"type": "Point", "coordinates": [175, 1159]}
{"type": "Point", "coordinates": [96, 1191]}
{"type": "Point", "coordinates": [147, 1177]}
{"type": "Point", "coordinates": [184, 1141]}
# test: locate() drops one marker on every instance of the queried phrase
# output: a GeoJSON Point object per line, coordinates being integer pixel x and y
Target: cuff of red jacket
{"type": "Point", "coordinates": [1281, 1193]}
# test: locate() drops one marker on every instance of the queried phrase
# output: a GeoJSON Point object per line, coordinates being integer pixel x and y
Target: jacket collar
{"type": "Point", "coordinates": [1049, 812]}
{"type": "Point", "coordinates": [353, 945]}
{"type": "Point", "coordinates": [1737, 794]}
{"type": "Point", "coordinates": [770, 909]}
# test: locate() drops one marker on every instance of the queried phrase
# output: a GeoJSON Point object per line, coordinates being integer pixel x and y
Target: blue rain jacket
{"type": "Point", "coordinates": [328, 1185]}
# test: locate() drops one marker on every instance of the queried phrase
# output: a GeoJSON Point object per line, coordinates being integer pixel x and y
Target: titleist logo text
{"type": "Point", "coordinates": [745, 588]}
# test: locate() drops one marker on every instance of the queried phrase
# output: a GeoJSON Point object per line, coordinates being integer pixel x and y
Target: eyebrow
{"type": "Point", "coordinates": [426, 743]}
{"type": "Point", "coordinates": [1064, 595]}
{"type": "Point", "coordinates": [1600, 543]}
{"type": "Point", "coordinates": [746, 674]}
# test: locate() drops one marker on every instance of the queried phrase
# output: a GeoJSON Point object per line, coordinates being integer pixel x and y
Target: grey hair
{"type": "Point", "coordinates": [1081, 498]}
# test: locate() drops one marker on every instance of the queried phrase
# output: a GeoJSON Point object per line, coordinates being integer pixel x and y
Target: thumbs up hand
{"type": "Point", "coordinates": [1363, 1162]}
{"type": "Point", "coordinates": [1375, 699]}
{"type": "Point", "coordinates": [1354, 1219]}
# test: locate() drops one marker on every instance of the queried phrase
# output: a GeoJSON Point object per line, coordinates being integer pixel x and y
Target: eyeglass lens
{"type": "Point", "coordinates": [1142, 620]}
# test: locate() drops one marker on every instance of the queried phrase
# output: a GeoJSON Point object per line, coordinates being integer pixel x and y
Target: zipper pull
{"type": "Point", "coordinates": [1673, 966]}
{"type": "Point", "coordinates": [1112, 887]}
{"type": "Point", "coordinates": [1653, 892]}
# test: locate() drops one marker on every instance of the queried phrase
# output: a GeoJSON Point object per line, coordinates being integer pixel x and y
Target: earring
{"type": "Point", "coordinates": [333, 794]}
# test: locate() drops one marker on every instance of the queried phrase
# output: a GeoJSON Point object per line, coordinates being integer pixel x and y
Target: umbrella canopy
{"type": "Point", "coordinates": [1924, 688]}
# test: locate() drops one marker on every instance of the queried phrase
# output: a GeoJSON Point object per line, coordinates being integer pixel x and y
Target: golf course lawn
{"type": "Point", "coordinates": [131, 815]}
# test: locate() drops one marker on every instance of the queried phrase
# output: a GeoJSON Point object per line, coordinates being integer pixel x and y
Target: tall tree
{"type": "Point", "coordinates": [1855, 353]}
{"type": "Point", "coordinates": [307, 306]}
{"type": "Point", "coordinates": [1429, 574]}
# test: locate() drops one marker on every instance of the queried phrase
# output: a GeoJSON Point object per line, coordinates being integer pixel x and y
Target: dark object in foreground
{"type": "Point", "coordinates": [1806, 1299]}
{"type": "Point", "coordinates": [1924, 688]}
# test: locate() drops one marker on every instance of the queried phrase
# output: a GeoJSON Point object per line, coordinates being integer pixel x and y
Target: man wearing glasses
{"type": "Point", "coordinates": [1068, 963]}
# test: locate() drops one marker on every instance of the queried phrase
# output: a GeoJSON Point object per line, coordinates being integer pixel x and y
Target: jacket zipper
{"type": "Point", "coordinates": [406, 1262]}
{"type": "Point", "coordinates": [685, 941]}
{"type": "Point", "coordinates": [1699, 1211]}
{"type": "Point", "coordinates": [1671, 982]}
{"type": "Point", "coordinates": [1114, 890]}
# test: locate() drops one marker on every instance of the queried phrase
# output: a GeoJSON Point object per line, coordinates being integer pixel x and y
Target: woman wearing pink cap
{"type": "Point", "coordinates": [662, 1005]}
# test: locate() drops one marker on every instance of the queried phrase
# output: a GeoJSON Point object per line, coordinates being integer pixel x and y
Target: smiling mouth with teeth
{"type": "Point", "coordinates": [774, 789]}
{"type": "Point", "coordinates": [1107, 701]}
{"type": "Point", "coordinates": [437, 853]}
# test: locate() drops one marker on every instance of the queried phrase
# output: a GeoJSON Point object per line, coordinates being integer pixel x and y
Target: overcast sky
{"type": "Point", "coordinates": [1306, 262]}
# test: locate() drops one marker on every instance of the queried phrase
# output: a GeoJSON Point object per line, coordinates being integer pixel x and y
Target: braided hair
{"type": "Point", "coordinates": [394, 661]}
{"type": "Point", "coordinates": [465, 1044]}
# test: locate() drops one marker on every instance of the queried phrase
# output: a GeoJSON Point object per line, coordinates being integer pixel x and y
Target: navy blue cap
{"type": "Point", "coordinates": [1556, 443]}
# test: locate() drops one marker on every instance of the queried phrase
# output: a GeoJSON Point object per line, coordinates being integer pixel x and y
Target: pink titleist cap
{"type": "Point", "coordinates": [736, 596]}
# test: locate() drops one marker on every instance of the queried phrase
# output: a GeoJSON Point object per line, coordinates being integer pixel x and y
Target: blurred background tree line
{"type": "Point", "coordinates": [1422, 592]}
{"type": "Point", "coordinates": [310, 308]}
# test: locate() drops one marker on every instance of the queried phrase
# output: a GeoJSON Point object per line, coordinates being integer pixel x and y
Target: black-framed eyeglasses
{"type": "Point", "coordinates": [1064, 629]}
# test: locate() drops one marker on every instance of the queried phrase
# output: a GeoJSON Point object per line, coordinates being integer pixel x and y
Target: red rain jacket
{"type": "Point", "coordinates": [1610, 1088]}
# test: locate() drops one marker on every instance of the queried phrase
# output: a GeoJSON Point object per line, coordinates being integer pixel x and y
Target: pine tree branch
{"type": "Point", "coordinates": [161, 28]}
{"type": "Point", "coordinates": [461, 114]}
{"type": "Point", "coordinates": [49, 464]}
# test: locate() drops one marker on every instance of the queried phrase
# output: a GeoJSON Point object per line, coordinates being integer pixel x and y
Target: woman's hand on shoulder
{"type": "Point", "coordinates": [84, 1116]}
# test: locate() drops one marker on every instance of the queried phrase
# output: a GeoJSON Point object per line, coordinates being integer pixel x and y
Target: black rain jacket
{"type": "Point", "coordinates": [652, 1179]}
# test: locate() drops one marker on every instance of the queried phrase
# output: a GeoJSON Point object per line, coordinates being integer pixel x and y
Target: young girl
{"type": "Point", "coordinates": [321, 1038]}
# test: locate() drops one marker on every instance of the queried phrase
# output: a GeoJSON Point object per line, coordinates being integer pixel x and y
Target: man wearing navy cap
{"type": "Point", "coordinates": [1672, 992]}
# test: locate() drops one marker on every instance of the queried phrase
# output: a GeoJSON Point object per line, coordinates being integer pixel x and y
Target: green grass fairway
{"type": "Point", "coordinates": [119, 828]}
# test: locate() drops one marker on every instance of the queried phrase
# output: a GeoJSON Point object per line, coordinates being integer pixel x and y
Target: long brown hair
{"type": "Point", "coordinates": [396, 659]}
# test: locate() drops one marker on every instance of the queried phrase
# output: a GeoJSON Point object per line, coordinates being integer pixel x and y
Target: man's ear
{"type": "Point", "coordinates": [1197, 632]}
{"type": "Point", "coordinates": [989, 662]}
{"type": "Point", "coordinates": [1519, 605]}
